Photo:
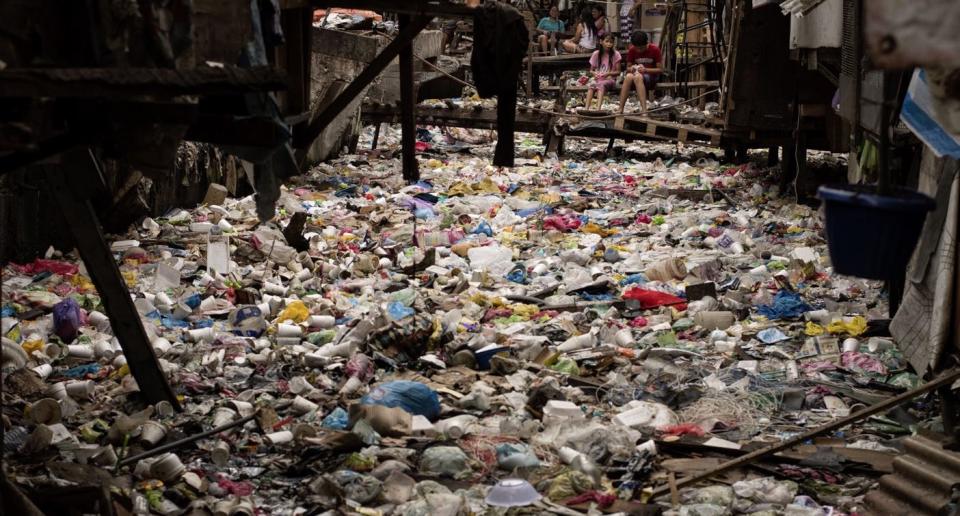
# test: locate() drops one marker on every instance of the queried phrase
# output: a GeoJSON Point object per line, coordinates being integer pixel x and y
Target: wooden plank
{"type": "Point", "coordinates": [303, 138]}
{"type": "Point", "coordinates": [408, 101]}
{"type": "Point", "coordinates": [682, 135]}
{"type": "Point", "coordinates": [651, 129]}
{"type": "Point", "coordinates": [96, 255]}
{"type": "Point", "coordinates": [411, 7]}
{"type": "Point", "coordinates": [116, 82]}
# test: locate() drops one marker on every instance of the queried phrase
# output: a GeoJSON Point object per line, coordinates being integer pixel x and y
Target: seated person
{"type": "Point", "coordinates": [585, 38]}
{"type": "Point", "coordinates": [605, 67]}
{"type": "Point", "coordinates": [548, 30]}
{"type": "Point", "coordinates": [643, 68]}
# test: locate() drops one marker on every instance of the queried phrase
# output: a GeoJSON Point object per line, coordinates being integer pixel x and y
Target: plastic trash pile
{"type": "Point", "coordinates": [564, 336]}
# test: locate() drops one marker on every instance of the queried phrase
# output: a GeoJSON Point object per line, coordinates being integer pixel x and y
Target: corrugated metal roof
{"type": "Point", "coordinates": [921, 483]}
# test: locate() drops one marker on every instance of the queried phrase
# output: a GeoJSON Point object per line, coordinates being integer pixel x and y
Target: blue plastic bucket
{"type": "Point", "coordinates": [869, 235]}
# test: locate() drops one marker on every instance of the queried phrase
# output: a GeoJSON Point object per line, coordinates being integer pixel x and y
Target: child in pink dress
{"type": "Point", "coordinates": [605, 67]}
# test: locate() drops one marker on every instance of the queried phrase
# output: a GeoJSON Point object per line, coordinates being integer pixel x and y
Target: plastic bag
{"type": "Point", "coordinates": [248, 321]}
{"type": "Point", "coordinates": [511, 456]}
{"type": "Point", "coordinates": [853, 327]}
{"type": "Point", "coordinates": [397, 311]}
{"type": "Point", "coordinates": [494, 259]}
{"type": "Point", "coordinates": [295, 311]}
{"type": "Point", "coordinates": [67, 319]}
{"type": "Point", "coordinates": [786, 305]}
{"type": "Point", "coordinates": [448, 461]}
{"type": "Point", "coordinates": [653, 298]}
{"type": "Point", "coordinates": [336, 420]}
{"type": "Point", "coordinates": [414, 397]}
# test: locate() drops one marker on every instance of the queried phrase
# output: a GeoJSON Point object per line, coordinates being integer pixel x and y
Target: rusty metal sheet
{"type": "Point", "coordinates": [908, 33]}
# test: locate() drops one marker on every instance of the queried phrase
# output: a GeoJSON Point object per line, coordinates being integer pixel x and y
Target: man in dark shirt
{"type": "Point", "coordinates": [643, 68]}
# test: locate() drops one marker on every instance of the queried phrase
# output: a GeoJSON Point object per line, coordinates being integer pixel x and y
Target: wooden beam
{"type": "Point", "coordinates": [305, 137]}
{"type": "Point", "coordinates": [408, 107]}
{"type": "Point", "coordinates": [96, 255]}
{"type": "Point", "coordinates": [411, 7]}
{"type": "Point", "coordinates": [117, 82]}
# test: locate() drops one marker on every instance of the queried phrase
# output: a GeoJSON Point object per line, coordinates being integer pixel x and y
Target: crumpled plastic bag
{"type": "Point", "coordinates": [448, 461]}
{"type": "Point", "coordinates": [295, 311]}
{"type": "Point", "coordinates": [338, 419]}
{"type": "Point", "coordinates": [721, 496]}
{"type": "Point", "coordinates": [67, 319]}
{"type": "Point", "coordinates": [519, 455]}
{"type": "Point", "coordinates": [786, 305]}
{"type": "Point", "coordinates": [414, 397]}
{"type": "Point", "coordinates": [569, 484]}
{"type": "Point", "coordinates": [855, 326]}
{"type": "Point", "coordinates": [652, 299]}
{"type": "Point", "coordinates": [358, 487]}
{"type": "Point", "coordinates": [860, 362]}
{"type": "Point", "coordinates": [701, 509]}
{"type": "Point", "coordinates": [766, 490]}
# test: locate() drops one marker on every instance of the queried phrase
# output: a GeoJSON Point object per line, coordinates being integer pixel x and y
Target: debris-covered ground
{"type": "Point", "coordinates": [593, 327]}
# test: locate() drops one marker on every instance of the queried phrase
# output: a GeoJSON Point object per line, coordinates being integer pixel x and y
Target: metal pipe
{"type": "Point", "coordinates": [186, 440]}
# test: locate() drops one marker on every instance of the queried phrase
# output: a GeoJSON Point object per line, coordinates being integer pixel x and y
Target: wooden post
{"type": "Point", "coordinates": [408, 101]}
{"type": "Point", "coordinates": [66, 186]}
{"type": "Point", "coordinates": [304, 137]}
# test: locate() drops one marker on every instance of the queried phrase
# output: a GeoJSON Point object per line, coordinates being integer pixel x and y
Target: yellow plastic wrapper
{"type": "Point", "coordinates": [131, 278]}
{"type": "Point", "coordinates": [853, 327]}
{"type": "Point", "coordinates": [525, 311]}
{"type": "Point", "coordinates": [32, 345]}
{"type": "Point", "coordinates": [595, 229]}
{"type": "Point", "coordinates": [486, 185]}
{"type": "Point", "coordinates": [568, 485]}
{"type": "Point", "coordinates": [459, 189]}
{"type": "Point", "coordinates": [295, 311]}
{"type": "Point", "coordinates": [813, 329]}
{"type": "Point", "coordinates": [434, 163]}
{"type": "Point", "coordinates": [81, 282]}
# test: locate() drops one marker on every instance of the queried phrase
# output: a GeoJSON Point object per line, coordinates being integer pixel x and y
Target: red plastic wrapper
{"type": "Point", "coordinates": [53, 266]}
{"type": "Point", "coordinates": [235, 488]}
{"type": "Point", "coordinates": [561, 223]}
{"type": "Point", "coordinates": [638, 322]}
{"type": "Point", "coordinates": [653, 299]}
{"type": "Point", "coordinates": [684, 429]}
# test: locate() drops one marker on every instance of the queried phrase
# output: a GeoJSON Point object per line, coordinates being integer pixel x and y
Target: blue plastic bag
{"type": "Point", "coordinates": [786, 305]}
{"type": "Point", "coordinates": [414, 397]}
{"type": "Point", "coordinates": [398, 311]}
{"type": "Point", "coordinates": [336, 420]}
{"type": "Point", "coordinates": [483, 228]}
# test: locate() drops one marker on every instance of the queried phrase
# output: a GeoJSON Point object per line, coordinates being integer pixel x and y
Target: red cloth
{"type": "Point", "coordinates": [652, 299]}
